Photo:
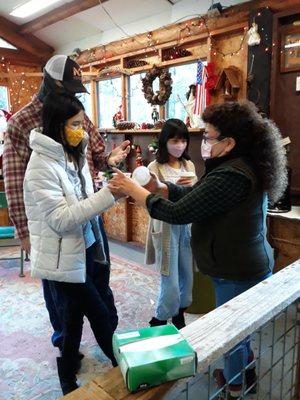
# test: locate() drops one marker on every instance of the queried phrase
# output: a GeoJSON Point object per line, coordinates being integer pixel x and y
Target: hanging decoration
{"type": "Point", "coordinates": [229, 83]}
{"type": "Point", "coordinates": [165, 83]}
{"type": "Point", "coordinates": [253, 35]}
{"type": "Point", "coordinates": [211, 81]}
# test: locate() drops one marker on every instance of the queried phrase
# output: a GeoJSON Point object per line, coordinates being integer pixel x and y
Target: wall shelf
{"type": "Point", "coordinates": [143, 131]}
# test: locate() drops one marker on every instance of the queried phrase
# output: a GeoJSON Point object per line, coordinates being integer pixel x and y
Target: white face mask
{"type": "Point", "coordinates": [176, 150]}
{"type": "Point", "coordinates": [206, 148]}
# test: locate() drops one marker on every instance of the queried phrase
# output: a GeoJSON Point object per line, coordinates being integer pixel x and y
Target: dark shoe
{"type": "Point", "coordinates": [114, 362]}
{"type": "Point", "coordinates": [66, 374]}
{"type": "Point", "coordinates": [157, 322]}
{"type": "Point", "coordinates": [78, 362]}
{"type": "Point", "coordinates": [232, 392]}
{"type": "Point", "coordinates": [178, 320]}
{"type": "Point", "coordinates": [219, 378]}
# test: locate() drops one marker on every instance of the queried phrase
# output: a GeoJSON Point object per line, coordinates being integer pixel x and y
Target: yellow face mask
{"type": "Point", "coordinates": [73, 136]}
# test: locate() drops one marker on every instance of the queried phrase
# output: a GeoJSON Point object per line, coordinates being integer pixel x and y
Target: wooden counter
{"type": "Point", "coordinates": [284, 236]}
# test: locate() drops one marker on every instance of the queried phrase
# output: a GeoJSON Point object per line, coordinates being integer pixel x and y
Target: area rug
{"type": "Point", "coordinates": [27, 357]}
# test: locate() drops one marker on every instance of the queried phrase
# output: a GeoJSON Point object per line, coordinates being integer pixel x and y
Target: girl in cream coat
{"type": "Point", "coordinates": [168, 246]}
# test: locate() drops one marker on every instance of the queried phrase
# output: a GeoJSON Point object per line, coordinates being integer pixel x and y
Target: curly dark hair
{"type": "Point", "coordinates": [256, 138]}
{"type": "Point", "coordinates": [172, 128]}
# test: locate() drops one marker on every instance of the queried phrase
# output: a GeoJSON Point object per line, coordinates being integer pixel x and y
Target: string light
{"type": "Point", "coordinates": [186, 30]}
{"type": "Point", "coordinates": [150, 41]}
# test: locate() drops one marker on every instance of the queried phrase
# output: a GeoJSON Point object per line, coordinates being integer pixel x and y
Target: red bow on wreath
{"type": "Point", "coordinates": [210, 81]}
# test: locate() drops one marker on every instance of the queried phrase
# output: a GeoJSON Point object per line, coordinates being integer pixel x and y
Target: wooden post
{"type": "Point", "coordinates": [94, 103]}
{"type": "Point", "coordinates": [128, 206]}
{"type": "Point", "coordinates": [124, 91]}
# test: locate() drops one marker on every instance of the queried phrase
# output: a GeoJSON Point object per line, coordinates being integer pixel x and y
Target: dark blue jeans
{"type": "Point", "coordinates": [100, 278]}
{"type": "Point", "coordinates": [236, 359]}
{"type": "Point", "coordinates": [84, 299]}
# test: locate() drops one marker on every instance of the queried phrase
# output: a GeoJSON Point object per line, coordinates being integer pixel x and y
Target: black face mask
{"type": "Point", "coordinates": [49, 85]}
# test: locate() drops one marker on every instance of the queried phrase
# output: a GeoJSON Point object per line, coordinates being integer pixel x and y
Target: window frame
{"type": "Point", "coordinates": [8, 97]}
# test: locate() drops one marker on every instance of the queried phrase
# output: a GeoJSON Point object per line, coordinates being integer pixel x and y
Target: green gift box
{"type": "Point", "coordinates": [150, 356]}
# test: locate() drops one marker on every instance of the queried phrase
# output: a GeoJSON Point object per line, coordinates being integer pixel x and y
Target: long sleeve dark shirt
{"type": "Point", "coordinates": [217, 193]}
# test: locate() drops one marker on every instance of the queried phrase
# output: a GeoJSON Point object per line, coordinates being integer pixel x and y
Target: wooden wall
{"type": "Point", "coordinates": [180, 32]}
{"type": "Point", "coordinates": [223, 41]}
{"type": "Point", "coordinates": [21, 89]}
{"type": "Point", "coordinates": [231, 43]}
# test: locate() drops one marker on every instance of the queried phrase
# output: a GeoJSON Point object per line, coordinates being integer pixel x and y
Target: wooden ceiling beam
{"type": "Point", "coordinates": [27, 42]}
{"type": "Point", "coordinates": [19, 57]}
{"type": "Point", "coordinates": [275, 5]}
{"type": "Point", "coordinates": [58, 14]}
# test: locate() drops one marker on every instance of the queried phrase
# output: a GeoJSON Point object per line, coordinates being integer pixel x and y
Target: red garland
{"type": "Point", "coordinates": [211, 81]}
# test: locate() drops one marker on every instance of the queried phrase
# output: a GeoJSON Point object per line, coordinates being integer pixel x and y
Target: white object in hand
{"type": "Point", "coordinates": [141, 175]}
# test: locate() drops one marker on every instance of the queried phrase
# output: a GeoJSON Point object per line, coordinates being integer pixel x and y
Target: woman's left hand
{"type": "Point", "coordinates": [120, 184]}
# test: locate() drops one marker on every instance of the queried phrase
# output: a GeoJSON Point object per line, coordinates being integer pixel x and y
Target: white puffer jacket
{"type": "Point", "coordinates": [55, 215]}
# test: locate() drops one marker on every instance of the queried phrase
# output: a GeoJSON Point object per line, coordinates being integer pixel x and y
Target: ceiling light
{"type": "Point", "coordinates": [31, 7]}
{"type": "Point", "coordinates": [5, 45]}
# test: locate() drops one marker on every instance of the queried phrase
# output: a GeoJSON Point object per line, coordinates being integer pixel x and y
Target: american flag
{"type": "Point", "coordinates": [200, 101]}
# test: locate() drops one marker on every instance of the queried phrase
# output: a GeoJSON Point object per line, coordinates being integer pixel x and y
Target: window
{"type": "Point", "coordinates": [86, 100]}
{"type": "Point", "coordinates": [183, 76]}
{"type": "Point", "coordinates": [5, 45]}
{"type": "Point", "coordinates": [4, 98]}
{"type": "Point", "coordinates": [109, 100]}
{"type": "Point", "coordinates": [139, 110]}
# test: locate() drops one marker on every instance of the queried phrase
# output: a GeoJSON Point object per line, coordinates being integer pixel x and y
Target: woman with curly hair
{"type": "Point", "coordinates": [245, 166]}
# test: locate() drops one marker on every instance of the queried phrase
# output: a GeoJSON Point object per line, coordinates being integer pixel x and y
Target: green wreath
{"type": "Point", "coordinates": [165, 83]}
